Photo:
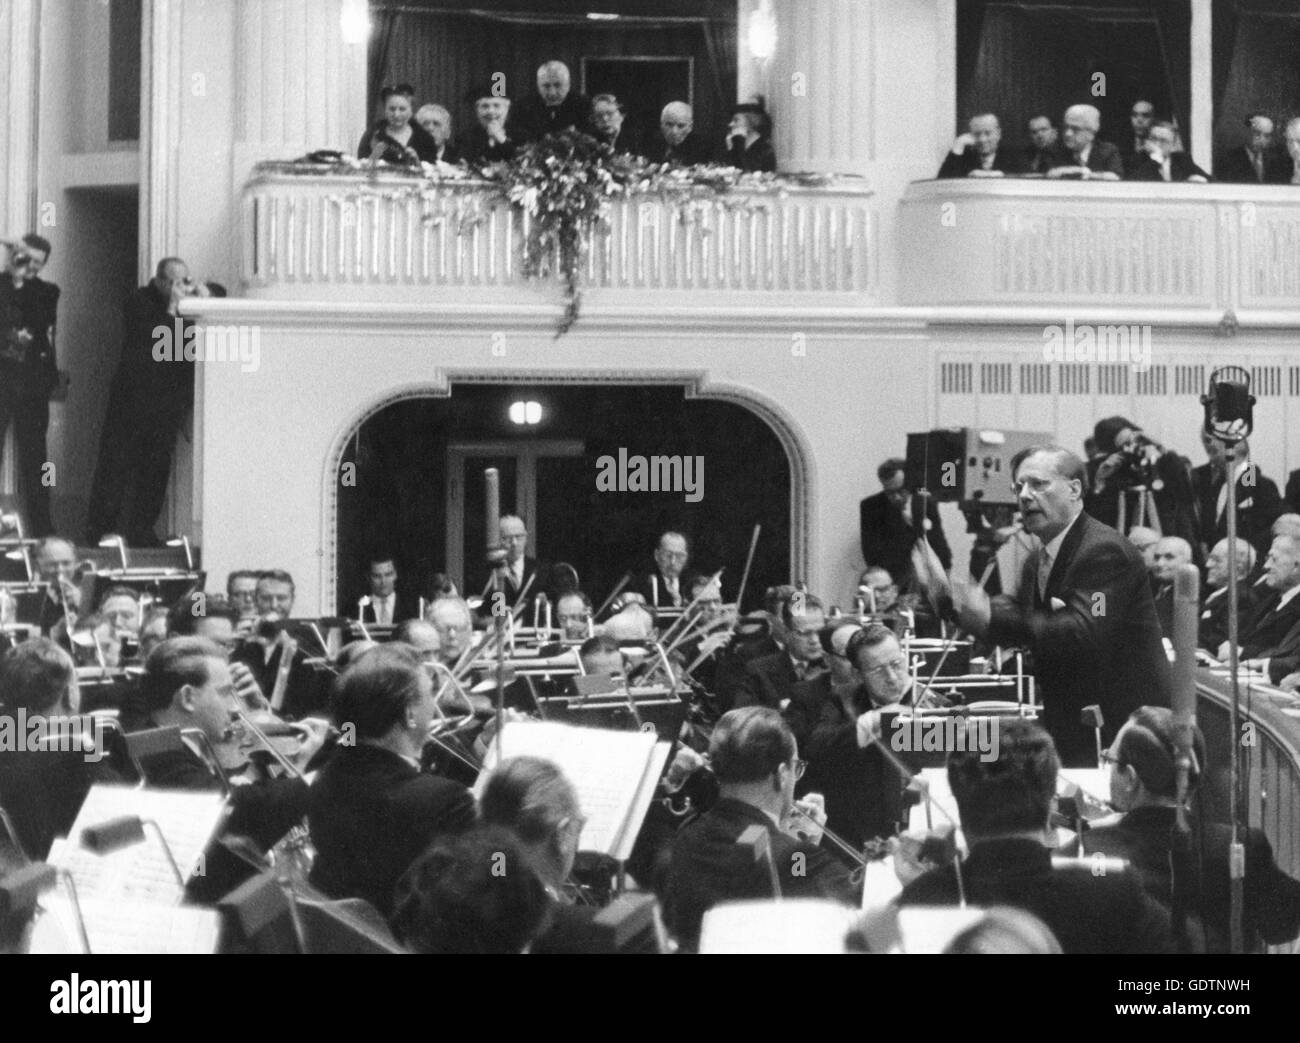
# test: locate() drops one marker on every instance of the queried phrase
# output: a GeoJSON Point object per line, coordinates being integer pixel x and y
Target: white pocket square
{"type": "Point", "coordinates": [1057, 604]}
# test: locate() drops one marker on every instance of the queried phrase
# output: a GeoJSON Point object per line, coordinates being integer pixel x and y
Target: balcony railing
{"type": "Point", "coordinates": [1128, 244]}
{"type": "Point", "coordinates": [315, 234]}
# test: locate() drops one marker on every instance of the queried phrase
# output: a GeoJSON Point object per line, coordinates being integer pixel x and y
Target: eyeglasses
{"type": "Point", "coordinates": [799, 766]}
{"type": "Point", "coordinates": [897, 665]}
{"type": "Point", "coordinates": [1109, 758]}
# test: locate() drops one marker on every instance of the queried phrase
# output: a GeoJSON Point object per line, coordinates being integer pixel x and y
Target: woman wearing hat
{"type": "Point", "coordinates": [748, 145]}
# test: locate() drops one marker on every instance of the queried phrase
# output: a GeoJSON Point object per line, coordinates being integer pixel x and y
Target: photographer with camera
{"type": "Point", "coordinates": [29, 372]}
{"type": "Point", "coordinates": [147, 405]}
{"type": "Point", "coordinates": [1134, 480]}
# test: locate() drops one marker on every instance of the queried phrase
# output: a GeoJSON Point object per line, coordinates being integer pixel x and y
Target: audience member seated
{"type": "Point", "coordinates": [1145, 540]}
{"type": "Point", "coordinates": [1168, 554]}
{"type": "Point", "coordinates": [677, 144]}
{"type": "Point", "coordinates": [609, 123]}
{"type": "Point", "coordinates": [1213, 631]}
{"type": "Point", "coordinates": [1256, 162]}
{"type": "Point", "coordinates": [475, 893]}
{"type": "Point", "coordinates": [756, 760]}
{"type": "Point", "coordinates": [1038, 155]}
{"type": "Point", "coordinates": [371, 812]}
{"type": "Point", "coordinates": [1291, 139]}
{"type": "Point", "coordinates": [395, 139]}
{"type": "Point", "coordinates": [554, 108]}
{"type": "Point", "coordinates": [1140, 118]}
{"type": "Point", "coordinates": [980, 152]}
{"type": "Point", "coordinates": [489, 140]}
{"type": "Point", "coordinates": [436, 122]}
{"type": "Point", "coordinates": [1081, 154]}
{"type": "Point", "coordinates": [1270, 640]}
{"type": "Point", "coordinates": [747, 147]}
{"type": "Point", "coordinates": [42, 785]}
{"type": "Point", "coordinates": [1005, 805]}
{"type": "Point", "coordinates": [771, 680]}
{"type": "Point", "coordinates": [1159, 161]}
{"type": "Point", "coordinates": [1143, 786]}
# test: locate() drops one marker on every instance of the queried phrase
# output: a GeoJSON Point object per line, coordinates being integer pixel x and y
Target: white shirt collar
{"type": "Point", "coordinates": [1287, 596]}
{"type": "Point", "coordinates": [1053, 547]}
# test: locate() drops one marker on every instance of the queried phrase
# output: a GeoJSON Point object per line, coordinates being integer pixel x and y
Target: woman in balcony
{"type": "Point", "coordinates": [395, 138]}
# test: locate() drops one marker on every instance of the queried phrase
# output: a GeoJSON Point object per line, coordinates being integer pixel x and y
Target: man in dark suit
{"type": "Point", "coordinates": [1270, 637]}
{"type": "Point", "coordinates": [1037, 156]}
{"type": "Point", "coordinates": [29, 370]}
{"type": "Point", "coordinates": [1169, 553]}
{"type": "Point", "coordinates": [667, 585]}
{"type": "Point", "coordinates": [677, 144]}
{"type": "Point", "coordinates": [1292, 494]}
{"type": "Point", "coordinates": [1256, 162]}
{"type": "Point", "coordinates": [1005, 805]}
{"type": "Point", "coordinates": [1081, 154]}
{"type": "Point", "coordinates": [1258, 502]}
{"type": "Point", "coordinates": [1143, 787]}
{"type": "Point", "coordinates": [609, 122]}
{"type": "Point", "coordinates": [552, 109]}
{"type": "Point", "coordinates": [388, 606]}
{"type": "Point", "coordinates": [371, 812]}
{"type": "Point", "coordinates": [1159, 161]}
{"type": "Point", "coordinates": [520, 569]}
{"type": "Point", "coordinates": [304, 691]}
{"type": "Point", "coordinates": [771, 680]}
{"type": "Point", "coordinates": [756, 760]}
{"type": "Point", "coordinates": [980, 152]}
{"type": "Point", "coordinates": [1213, 631]}
{"type": "Point", "coordinates": [1083, 608]}
{"type": "Point", "coordinates": [887, 528]}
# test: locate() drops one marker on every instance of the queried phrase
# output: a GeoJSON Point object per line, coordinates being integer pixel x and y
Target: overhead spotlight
{"type": "Point", "coordinates": [113, 540]}
{"type": "Point", "coordinates": [525, 412]}
{"type": "Point", "coordinates": [762, 31]}
{"type": "Point", "coordinates": [602, 16]}
{"type": "Point", "coordinates": [354, 21]}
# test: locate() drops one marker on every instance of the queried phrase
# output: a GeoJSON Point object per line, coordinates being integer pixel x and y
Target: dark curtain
{"type": "Point", "coordinates": [1261, 72]}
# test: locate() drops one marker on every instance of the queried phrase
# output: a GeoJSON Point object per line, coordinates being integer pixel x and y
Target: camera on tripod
{"type": "Point", "coordinates": [1138, 462]}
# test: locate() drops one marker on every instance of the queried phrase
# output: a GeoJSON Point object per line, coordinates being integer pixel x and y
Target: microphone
{"type": "Point", "coordinates": [1187, 582]}
{"type": "Point", "coordinates": [1229, 405]}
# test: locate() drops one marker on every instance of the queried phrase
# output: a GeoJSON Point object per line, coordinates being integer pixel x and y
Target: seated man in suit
{"type": "Point", "coordinates": [1168, 554]}
{"type": "Point", "coordinates": [371, 812]}
{"type": "Point", "coordinates": [552, 109]}
{"type": "Point", "coordinates": [489, 140]}
{"type": "Point", "coordinates": [56, 564]}
{"type": "Point", "coordinates": [756, 760]}
{"type": "Point", "coordinates": [1256, 162]}
{"type": "Point", "coordinates": [677, 144]}
{"type": "Point", "coordinates": [436, 122]}
{"type": "Point", "coordinates": [1270, 640]}
{"type": "Point", "coordinates": [1159, 161]}
{"type": "Point", "coordinates": [43, 783]}
{"type": "Point", "coordinates": [666, 585]}
{"type": "Point", "coordinates": [388, 605]}
{"type": "Point", "coordinates": [771, 680]}
{"type": "Point", "coordinates": [1038, 155]}
{"type": "Point", "coordinates": [1005, 805]}
{"type": "Point", "coordinates": [1143, 786]}
{"type": "Point", "coordinates": [301, 692]}
{"type": "Point", "coordinates": [1145, 540]}
{"type": "Point", "coordinates": [980, 152]}
{"type": "Point", "coordinates": [521, 571]}
{"type": "Point", "coordinates": [1214, 609]}
{"type": "Point", "coordinates": [1081, 155]}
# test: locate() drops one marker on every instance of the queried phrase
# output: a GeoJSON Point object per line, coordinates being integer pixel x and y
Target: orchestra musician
{"type": "Point", "coordinates": [665, 586]}
{"type": "Point", "coordinates": [771, 680]}
{"type": "Point", "coordinates": [56, 563]}
{"type": "Point", "coordinates": [521, 572]}
{"type": "Point", "coordinates": [387, 605]}
{"type": "Point", "coordinates": [273, 655]}
{"type": "Point", "coordinates": [371, 811]}
{"type": "Point", "coordinates": [573, 615]}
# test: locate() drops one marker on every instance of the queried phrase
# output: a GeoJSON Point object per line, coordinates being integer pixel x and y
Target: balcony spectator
{"type": "Point", "coordinates": [1160, 162]}
{"type": "Point", "coordinates": [677, 143]}
{"type": "Point", "coordinates": [1043, 138]}
{"type": "Point", "coordinates": [436, 122]}
{"type": "Point", "coordinates": [1081, 155]}
{"type": "Point", "coordinates": [609, 122]}
{"type": "Point", "coordinates": [980, 152]}
{"type": "Point", "coordinates": [747, 147]}
{"type": "Point", "coordinates": [395, 139]}
{"type": "Point", "coordinates": [1292, 141]}
{"type": "Point", "coordinates": [552, 109]}
{"type": "Point", "coordinates": [489, 140]}
{"type": "Point", "coordinates": [1140, 118]}
{"type": "Point", "coordinates": [1256, 162]}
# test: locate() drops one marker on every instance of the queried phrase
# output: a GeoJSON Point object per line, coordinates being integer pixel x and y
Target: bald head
{"type": "Point", "coordinates": [553, 82]}
{"type": "Point", "coordinates": [1169, 553]}
{"type": "Point", "coordinates": [676, 121]}
{"type": "Point", "coordinates": [987, 133]}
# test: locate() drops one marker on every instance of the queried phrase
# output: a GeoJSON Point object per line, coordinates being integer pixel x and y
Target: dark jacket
{"type": "Point", "coordinates": [1272, 633]}
{"type": "Point", "coordinates": [477, 150]}
{"type": "Point", "coordinates": [708, 867]}
{"type": "Point", "coordinates": [1174, 500]}
{"type": "Point", "coordinates": [1104, 914]}
{"type": "Point", "coordinates": [1103, 158]}
{"type": "Point", "coordinates": [1181, 167]}
{"type": "Point", "coordinates": [371, 814]}
{"type": "Point", "coordinates": [393, 151]}
{"type": "Point", "coordinates": [1235, 167]}
{"type": "Point", "coordinates": [530, 118]}
{"type": "Point", "coordinates": [307, 692]}
{"type": "Point", "coordinates": [1271, 899]}
{"type": "Point", "coordinates": [1102, 645]}
{"type": "Point", "coordinates": [1258, 505]}
{"type": "Point", "coordinates": [691, 152]}
{"type": "Point", "coordinates": [1005, 159]}
{"type": "Point", "coordinates": [512, 590]}
{"type": "Point", "coordinates": [42, 790]}
{"type": "Point", "coordinates": [759, 156]}
{"type": "Point", "coordinates": [768, 681]}
{"type": "Point", "coordinates": [887, 539]}
{"type": "Point", "coordinates": [405, 607]}
{"type": "Point", "coordinates": [1213, 629]}
{"type": "Point", "coordinates": [32, 307]}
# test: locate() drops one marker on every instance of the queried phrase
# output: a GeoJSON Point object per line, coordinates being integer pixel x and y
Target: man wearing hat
{"type": "Point", "coordinates": [748, 146]}
{"type": "Point", "coordinates": [489, 140]}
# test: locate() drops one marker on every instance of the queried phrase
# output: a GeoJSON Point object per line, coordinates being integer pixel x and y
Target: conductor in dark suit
{"type": "Point", "coordinates": [1159, 161]}
{"type": "Point", "coordinates": [1004, 806]}
{"type": "Point", "coordinates": [1083, 609]}
{"type": "Point", "coordinates": [1258, 501]}
{"type": "Point", "coordinates": [1256, 162]}
{"type": "Point", "coordinates": [388, 606]}
{"type": "Point", "coordinates": [980, 152]}
{"type": "Point", "coordinates": [1081, 154]}
{"type": "Point", "coordinates": [371, 812]}
{"type": "Point", "coordinates": [886, 527]}
{"type": "Point", "coordinates": [1143, 787]}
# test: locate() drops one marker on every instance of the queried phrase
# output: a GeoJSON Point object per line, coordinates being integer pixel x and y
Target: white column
{"type": "Point", "coordinates": [1202, 114]}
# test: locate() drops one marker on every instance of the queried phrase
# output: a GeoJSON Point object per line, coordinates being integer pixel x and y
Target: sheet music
{"type": "Point", "coordinates": [141, 872]}
{"type": "Point", "coordinates": [607, 768]}
{"type": "Point", "coordinates": [641, 803]}
{"type": "Point", "coordinates": [125, 928]}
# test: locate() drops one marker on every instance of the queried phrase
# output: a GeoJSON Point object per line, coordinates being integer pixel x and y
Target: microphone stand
{"type": "Point", "coordinates": [1237, 850]}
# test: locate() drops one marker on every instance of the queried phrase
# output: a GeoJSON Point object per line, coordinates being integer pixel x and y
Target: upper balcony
{"type": "Point", "coordinates": [313, 234]}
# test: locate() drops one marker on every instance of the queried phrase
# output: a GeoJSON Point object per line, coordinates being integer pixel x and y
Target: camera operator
{"type": "Point", "coordinates": [29, 372]}
{"type": "Point", "coordinates": [1127, 461]}
{"type": "Point", "coordinates": [147, 405]}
